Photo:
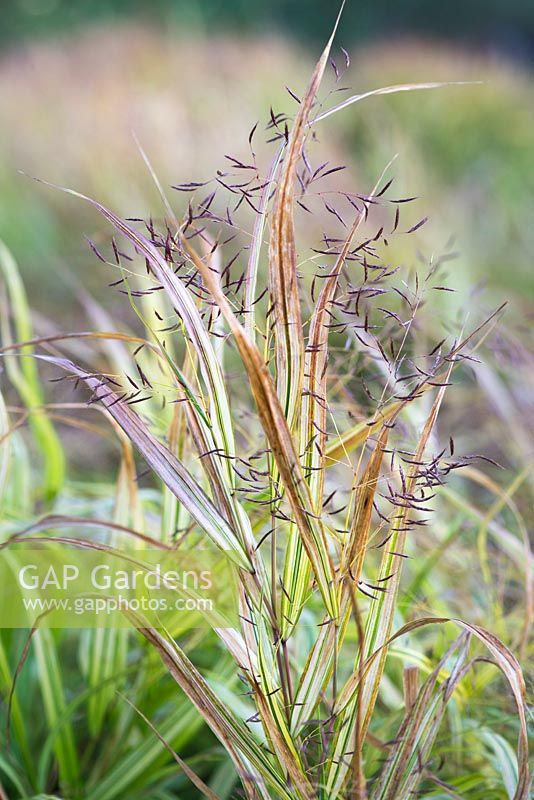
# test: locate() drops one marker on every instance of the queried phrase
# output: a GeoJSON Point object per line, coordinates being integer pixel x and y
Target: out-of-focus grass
{"type": "Point", "coordinates": [69, 110]}
{"type": "Point", "coordinates": [467, 150]}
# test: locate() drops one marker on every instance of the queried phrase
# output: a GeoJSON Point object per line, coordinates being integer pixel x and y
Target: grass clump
{"type": "Point", "coordinates": [294, 424]}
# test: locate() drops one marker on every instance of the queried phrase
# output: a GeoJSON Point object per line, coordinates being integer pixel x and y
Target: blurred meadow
{"type": "Point", "coordinates": [82, 89]}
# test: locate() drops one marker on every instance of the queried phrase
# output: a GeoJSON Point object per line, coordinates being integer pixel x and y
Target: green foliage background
{"type": "Point", "coordinates": [509, 24]}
